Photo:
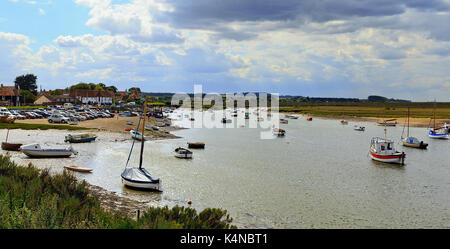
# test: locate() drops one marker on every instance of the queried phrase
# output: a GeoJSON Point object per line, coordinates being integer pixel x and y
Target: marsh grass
{"type": "Point", "coordinates": [34, 199]}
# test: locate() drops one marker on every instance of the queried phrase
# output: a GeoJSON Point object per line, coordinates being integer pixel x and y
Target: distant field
{"type": "Point", "coordinates": [417, 110]}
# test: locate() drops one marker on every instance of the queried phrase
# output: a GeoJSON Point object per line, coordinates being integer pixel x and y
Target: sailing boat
{"type": "Point", "coordinates": [413, 142]}
{"type": "Point", "coordinates": [140, 177]}
{"type": "Point", "coordinates": [437, 132]}
{"type": "Point", "coordinates": [10, 146]}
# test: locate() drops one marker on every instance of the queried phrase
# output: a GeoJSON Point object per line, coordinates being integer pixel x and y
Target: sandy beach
{"type": "Point", "coordinates": [118, 125]}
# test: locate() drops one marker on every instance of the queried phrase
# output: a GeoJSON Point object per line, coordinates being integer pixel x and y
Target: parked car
{"type": "Point", "coordinates": [57, 118]}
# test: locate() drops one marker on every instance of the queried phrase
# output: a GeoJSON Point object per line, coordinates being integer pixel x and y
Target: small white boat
{"type": "Point", "coordinates": [78, 168]}
{"type": "Point", "coordinates": [278, 132]}
{"type": "Point", "coordinates": [137, 135]}
{"type": "Point", "coordinates": [35, 150]}
{"type": "Point", "coordinates": [382, 149]}
{"type": "Point", "coordinates": [359, 128]}
{"type": "Point", "coordinates": [183, 153]}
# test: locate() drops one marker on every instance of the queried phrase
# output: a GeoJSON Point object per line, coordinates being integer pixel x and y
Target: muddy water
{"type": "Point", "coordinates": [318, 176]}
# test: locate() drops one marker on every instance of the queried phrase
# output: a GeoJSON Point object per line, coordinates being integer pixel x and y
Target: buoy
{"type": "Point", "coordinates": [189, 202]}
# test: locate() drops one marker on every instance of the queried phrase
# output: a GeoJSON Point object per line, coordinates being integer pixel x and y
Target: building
{"type": "Point", "coordinates": [9, 96]}
{"type": "Point", "coordinates": [45, 98]}
{"type": "Point", "coordinates": [93, 97]}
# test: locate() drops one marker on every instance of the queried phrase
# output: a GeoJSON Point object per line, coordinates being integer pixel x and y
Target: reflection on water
{"type": "Point", "coordinates": [318, 176]}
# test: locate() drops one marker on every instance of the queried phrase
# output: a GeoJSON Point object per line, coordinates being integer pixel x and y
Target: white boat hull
{"type": "Point", "coordinates": [183, 156]}
{"type": "Point", "coordinates": [149, 186]}
{"type": "Point", "coordinates": [438, 136]}
{"type": "Point", "coordinates": [396, 158]}
{"type": "Point", "coordinates": [47, 153]}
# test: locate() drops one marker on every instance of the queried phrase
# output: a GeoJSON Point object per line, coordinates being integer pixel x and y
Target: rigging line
{"type": "Point", "coordinates": [134, 140]}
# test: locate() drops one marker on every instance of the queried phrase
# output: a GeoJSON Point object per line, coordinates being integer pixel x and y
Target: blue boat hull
{"type": "Point", "coordinates": [83, 140]}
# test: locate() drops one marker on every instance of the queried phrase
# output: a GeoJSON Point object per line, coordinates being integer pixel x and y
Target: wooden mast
{"type": "Point", "coordinates": [143, 130]}
{"type": "Point", "coordinates": [408, 122]}
{"type": "Point", "coordinates": [434, 115]}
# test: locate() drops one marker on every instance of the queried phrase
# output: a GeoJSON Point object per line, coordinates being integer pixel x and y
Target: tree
{"type": "Point", "coordinates": [29, 97]}
{"type": "Point", "coordinates": [137, 89]}
{"type": "Point", "coordinates": [56, 92]}
{"type": "Point", "coordinates": [112, 88]}
{"type": "Point", "coordinates": [99, 88]}
{"type": "Point", "coordinates": [27, 82]}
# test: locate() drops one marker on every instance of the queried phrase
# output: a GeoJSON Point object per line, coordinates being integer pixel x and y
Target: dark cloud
{"type": "Point", "coordinates": [214, 14]}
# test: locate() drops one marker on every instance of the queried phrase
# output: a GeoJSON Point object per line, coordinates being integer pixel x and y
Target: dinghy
{"type": "Point", "coordinates": [35, 150]}
{"type": "Point", "coordinates": [387, 122]}
{"type": "Point", "coordinates": [197, 145]}
{"type": "Point", "coordinates": [359, 128]}
{"type": "Point", "coordinates": [137, 135]}
{"type": "Point", "coordinates": [183, 153]}
{"type": "Point", "coordinates": [10, 146]}
{"type": "Point", "coordinates": [80, 138]}
{"type": "Point", "coordinates": [78, 169]}
{"type": "Point", "coordinates": [283, 121]}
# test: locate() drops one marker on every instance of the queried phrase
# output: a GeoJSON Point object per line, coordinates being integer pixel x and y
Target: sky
{"type": "Point", "coordinates": [316, 48]}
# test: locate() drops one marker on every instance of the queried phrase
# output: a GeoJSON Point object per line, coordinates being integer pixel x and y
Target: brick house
{"type": "Point", "coordinates": [9, 96]}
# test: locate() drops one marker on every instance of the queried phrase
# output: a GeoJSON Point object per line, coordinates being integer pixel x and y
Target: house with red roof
{"type": "Point", "coordinates": [9, 96]}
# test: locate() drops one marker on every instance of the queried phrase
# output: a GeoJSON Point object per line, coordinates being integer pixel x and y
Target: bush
{"type": "Point", "coordinates": [34, 199]}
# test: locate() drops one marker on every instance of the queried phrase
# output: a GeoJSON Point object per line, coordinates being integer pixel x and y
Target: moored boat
{"type": "Point", "coordinates": [137, 135]}
{"type": "Point", "coordinates": [226, 121]}
{"type": "Point", "coordinates": [359, 128]}
{"type": "Point", "coordinates": [387, 122]}
{"type": "Point", "coordinates": [412, 142]}
{"type": "Point", "coordinates": [197, 145]}
{"type": "Point", "coordinates": [344, 122]}
{"type": "Point", "coordinates": [437, 132]}
{"type": "Point", "coordinates": [10, 146]}
{"type": "Point", "coordinates": [278, 132]}
{"type": "Point", "coordinates": [309, 118]}
{"type": "Point", "coordinates": [383, 150]}
{"type": "Point", "coordinates": [183, 153]}
{"type": "Point", "coordinates": [139, 177]}
{"type": "Point", "coordinates": [35, 150]}
{"type": "Point", "coordinates": [283, 121]}
{"type": "Point", "coordinates": [78, 168]}
{"type": "Point", "coordinates": [80, 138]}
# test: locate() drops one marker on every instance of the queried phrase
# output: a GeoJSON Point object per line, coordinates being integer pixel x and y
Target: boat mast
{"type": "Point", "coordinates": [408, 122]}
{"type": "Point", "coordinates": [434, 115]}
{"type": "Point", "coordinates": [143, 129]}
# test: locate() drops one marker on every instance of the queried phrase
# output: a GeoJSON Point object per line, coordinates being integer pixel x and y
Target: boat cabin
{"type": "Point", "coordinates": [382, 146]}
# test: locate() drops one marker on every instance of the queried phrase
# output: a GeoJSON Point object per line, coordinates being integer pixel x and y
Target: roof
{"type": "Point", "coordinates": [91, 93]}
{"type": "Point", "coordinates": [9, 91]}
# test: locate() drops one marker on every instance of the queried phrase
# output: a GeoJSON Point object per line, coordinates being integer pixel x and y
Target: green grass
{"type": "Point", "coordinates": [40, 126]}
{"type": "Point", "coordinates": [24, 107]}
{"type": "Point", "coordinates": [370, 111]}
{"type": "Point", "coordinates": [34, 199]}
